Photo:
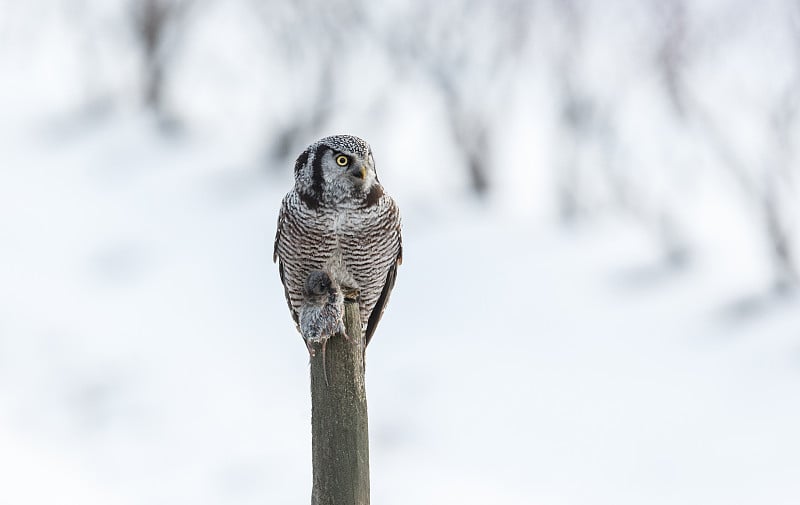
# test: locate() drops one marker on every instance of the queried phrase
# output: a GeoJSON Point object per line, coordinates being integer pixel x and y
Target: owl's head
{"type": "Point", "coordinates": [335, 170]}
{"type": "Point", "coordinates": [319, 286]}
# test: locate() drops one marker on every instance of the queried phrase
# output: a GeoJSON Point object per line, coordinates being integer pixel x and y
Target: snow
{"type": "Point", "coordinates": [147, 355]}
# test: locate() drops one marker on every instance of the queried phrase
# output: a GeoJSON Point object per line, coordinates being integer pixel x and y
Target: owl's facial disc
{"type": "Point", "coordinates": [362, 172]}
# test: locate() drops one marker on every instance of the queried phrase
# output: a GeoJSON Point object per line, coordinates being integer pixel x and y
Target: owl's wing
{"type": "Point", "coordinates": [383, 299]}
{"type": "Point", "coordinates": [276, 257]}
{"type": "Point", "coordinates": [380, 306]}
{"type": "Point", "coordinates": [279, 230]}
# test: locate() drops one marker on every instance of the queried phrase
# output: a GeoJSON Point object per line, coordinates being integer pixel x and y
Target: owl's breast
{"type": "Point", "coordinates": [358, 246]}
{"type": "Point", "coordinates": [367, 248]}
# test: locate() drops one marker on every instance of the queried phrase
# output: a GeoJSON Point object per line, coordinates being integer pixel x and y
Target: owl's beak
{"type": "Point", "coordinates": [359, 172]}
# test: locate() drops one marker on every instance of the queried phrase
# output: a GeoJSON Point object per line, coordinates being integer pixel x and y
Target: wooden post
{"type": "Point", "coordinates": [339, 428]}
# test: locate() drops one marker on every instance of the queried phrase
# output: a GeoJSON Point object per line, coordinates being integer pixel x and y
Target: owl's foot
{"type": "Point", "coordinates": [350, 294]}
{"type": "Point", "coordinates": [341, 330]}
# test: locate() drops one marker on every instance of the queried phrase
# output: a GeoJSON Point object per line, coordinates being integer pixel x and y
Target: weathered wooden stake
{"type": "Point", "coordinates": [339, 428]}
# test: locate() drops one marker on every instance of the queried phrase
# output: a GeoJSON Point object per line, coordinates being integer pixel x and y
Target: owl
{"type": "Point", "coordinates": [322, 310]}
{"type": "Point", "coordinates": [339, 219]}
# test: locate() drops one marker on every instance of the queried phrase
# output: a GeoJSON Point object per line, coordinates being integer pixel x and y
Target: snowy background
{"type": "Point", "coordinates": [598, 301]}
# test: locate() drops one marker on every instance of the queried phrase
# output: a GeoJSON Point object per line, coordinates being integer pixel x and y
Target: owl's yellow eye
{"type": "Point", "coordinates": [342, 160]}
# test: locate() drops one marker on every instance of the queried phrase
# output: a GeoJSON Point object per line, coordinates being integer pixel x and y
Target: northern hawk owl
{"type": "Point", "coordinates": [338, 218]}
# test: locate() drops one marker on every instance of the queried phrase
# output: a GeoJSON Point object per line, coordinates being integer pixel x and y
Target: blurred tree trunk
{"type": "Point", "coordinates": [470, 132]}
{"type": "Point", "coordinates": [154, 23]}
{"type": "Point", "coordinates": [575, 110]}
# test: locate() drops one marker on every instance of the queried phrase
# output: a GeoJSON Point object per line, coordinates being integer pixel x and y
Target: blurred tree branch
{"type": "Point", "coordinates": [313, 39]}
{"type": "Point", "coordinates": [469, 51]}
{"type": "Point", "coordinates": [769, 186]}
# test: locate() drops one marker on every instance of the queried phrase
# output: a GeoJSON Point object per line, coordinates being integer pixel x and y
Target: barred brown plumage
{"type": "Point", "coordinates": [338, 218]}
